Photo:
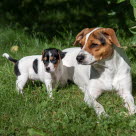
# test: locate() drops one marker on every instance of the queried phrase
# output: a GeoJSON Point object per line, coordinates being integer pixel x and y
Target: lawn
{"type": "Point", "coordinates": [34, 114]}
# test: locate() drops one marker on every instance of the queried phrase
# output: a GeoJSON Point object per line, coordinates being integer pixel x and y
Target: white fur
{"type": "Point", "coordinates": [5, 55]}
{"type": "Point", "coordinates": [89, 59]}
{"type": "Point", "coordinates": [107, 75]}
{"type": "Point", "coordinates": [25, 66]}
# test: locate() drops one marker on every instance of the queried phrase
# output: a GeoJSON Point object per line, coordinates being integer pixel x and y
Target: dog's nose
{"type": "Point", "coordinates": [48, 69]}
{"type": "Point", "coordinates": [80, 58]}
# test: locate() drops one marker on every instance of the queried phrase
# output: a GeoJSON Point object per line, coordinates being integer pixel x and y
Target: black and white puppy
{"type": "Point", "coordinates": [47, 68]}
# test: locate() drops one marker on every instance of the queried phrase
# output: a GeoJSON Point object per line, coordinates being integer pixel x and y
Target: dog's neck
{"type": "Point", "coordinates": [58, 72]}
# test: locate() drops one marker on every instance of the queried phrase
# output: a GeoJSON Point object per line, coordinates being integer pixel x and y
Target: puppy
{"type": "Point", "coordinates": [100, 65]}
{"type": "Point", "coordinates": [47, 68]}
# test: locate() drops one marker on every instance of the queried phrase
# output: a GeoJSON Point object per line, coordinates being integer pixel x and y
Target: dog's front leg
{"type": "Point", "coordinates": [48, 84]}
{"type": "Point", "coordinates": [125, 89]}
{"type": "Point", "coordinates": [90, 99]}
{"type": "Point", "coordinates": [129, 101]}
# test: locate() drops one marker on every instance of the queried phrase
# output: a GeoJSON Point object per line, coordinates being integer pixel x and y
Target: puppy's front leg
{"type": "Point", "coordinates": [48, 84]}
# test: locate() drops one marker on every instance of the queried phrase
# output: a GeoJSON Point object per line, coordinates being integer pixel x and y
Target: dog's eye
{"type": "Point", "coordinates": [45, 61]}
{"type": "Point", "coordinates": [54, 61]}
{"type": "Point", "coordinates": [93, 45]}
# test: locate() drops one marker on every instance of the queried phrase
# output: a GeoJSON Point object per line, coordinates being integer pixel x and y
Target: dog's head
{"type": "Point", "coordinates": [96, 44]}
{"type": "Point", "coordinates": [52, 58]}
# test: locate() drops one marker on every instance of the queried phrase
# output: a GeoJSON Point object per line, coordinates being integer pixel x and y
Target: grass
{"type": "Point", "coordinates": [34, 114]}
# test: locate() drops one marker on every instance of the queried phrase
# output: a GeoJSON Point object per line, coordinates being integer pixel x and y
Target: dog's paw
{"type": "Point", "coordinates": [132, 111]}
{"type": "Point", "coordinates": [103, 115]}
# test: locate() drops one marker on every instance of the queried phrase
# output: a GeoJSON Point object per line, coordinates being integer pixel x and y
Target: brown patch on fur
{"type": "Point", "coordinates": [101, 51]}
{"type": "Point", "coordinates": [81, 35]}
{"type": "Point", "coordinates": [44, 58]}
{"type": "Point", "coordinates": [56, 65]}
{"type": "Point", "coordinates": [51, 58]}
{"type": "Point", "coordinates": [111, 36]}
{"type": "Point", "coordinates": [104, 38]}
{"type": "Point", "coordinates": [43, 55]}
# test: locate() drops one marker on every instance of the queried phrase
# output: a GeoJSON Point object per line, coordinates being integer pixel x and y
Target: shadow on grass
{"type": "Point", "coordinates": [37, 84]}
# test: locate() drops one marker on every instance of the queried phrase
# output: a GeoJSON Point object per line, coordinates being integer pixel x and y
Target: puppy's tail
{"type": "Point", "coordinates": [9, 58]}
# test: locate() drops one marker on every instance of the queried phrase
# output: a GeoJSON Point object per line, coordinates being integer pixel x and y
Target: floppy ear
{"type": "Point", "coordinates": [43, 54]}
{"type": "Point", "coordinates": [110, 33]}
{"type": "Point", "coordinates": [61, 54]}
{"type": "Point", "coordinates": [80, 35]}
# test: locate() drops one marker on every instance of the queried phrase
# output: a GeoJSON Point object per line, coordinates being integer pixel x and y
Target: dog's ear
{"type": "Point", "coordinates": [111, 35]}
{"type": "Point", "coordinates": [61, 54]}
{"type": "Point", "coordinates": [80, 35]}
{"type": "Point", "coordinates": [43, 52]}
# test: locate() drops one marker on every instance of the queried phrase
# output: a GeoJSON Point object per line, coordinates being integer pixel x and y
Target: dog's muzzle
{"type": "Point", "coordinates": [48, 69]}
{"type": "Point", "coordinates": [80, 58]}
{"type": "Point", "coordinates": [85, 58]}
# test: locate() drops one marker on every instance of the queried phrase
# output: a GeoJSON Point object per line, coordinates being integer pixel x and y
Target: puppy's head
{"type": "Point", "coordinates": [96, 44]}
{"type": "Point", "coordinates": [52, 58]}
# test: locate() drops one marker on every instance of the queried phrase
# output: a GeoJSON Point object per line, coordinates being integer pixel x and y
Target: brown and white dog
{"type": "Point", "coordinates": [100, 65]}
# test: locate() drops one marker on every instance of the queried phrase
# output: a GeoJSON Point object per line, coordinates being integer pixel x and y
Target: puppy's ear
{"type": "Point", "coordinates": [43, 52]}
{"type": "Point", "coordinates": [110, 34]}
{"type": "Point", "coordinates": [80, 35]}
{"type": "Point", "coordinates": [61, 54]}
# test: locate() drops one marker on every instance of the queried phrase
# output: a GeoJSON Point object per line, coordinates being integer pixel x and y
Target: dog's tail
{"type": "Point", "coordinates": [9, 58]}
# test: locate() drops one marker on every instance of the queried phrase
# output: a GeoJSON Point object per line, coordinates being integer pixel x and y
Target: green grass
{"type": "Point", "coordinates": [34, 114]}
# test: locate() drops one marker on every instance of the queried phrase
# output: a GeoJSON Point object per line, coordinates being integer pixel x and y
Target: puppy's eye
{"type": "Point", "coordinates": [45, 61]}
{"type": "Point", "coordinates": [93, 45]}
{"type": "Point", "coordinates": [54, 61]}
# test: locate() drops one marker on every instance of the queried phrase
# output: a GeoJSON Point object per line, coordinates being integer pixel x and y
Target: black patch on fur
{"type": "Point", "coordinates": [56, 54]}
{"type": "Point", "coordinates": [16, 69]}
{"type": "Point", "coordinates": [13, 60]}
{"type": "Point", "coordinates": [35, 66]}
{"type": "Point", "coordinates": [62, 54]}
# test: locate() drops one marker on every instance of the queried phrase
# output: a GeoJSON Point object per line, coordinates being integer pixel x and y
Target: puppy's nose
{"type": "Point", "coordinates": [48, 69]}
{"type": "Point", "coordinates": [80, 58]}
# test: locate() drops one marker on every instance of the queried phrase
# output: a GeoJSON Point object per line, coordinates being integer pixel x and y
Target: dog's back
{"type": "Point", "coordinates": [31, 65]}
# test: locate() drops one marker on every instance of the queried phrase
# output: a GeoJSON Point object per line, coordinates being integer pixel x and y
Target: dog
{"type": "Point", "coordinates": [100, 65]}
{"type": "Point", "coordinates": [47, 68]}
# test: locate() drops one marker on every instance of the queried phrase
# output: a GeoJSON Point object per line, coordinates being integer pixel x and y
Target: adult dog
{"type": "Point", "coordinates": [47, 68]}
{"type": "Point", "coordinates": [100, 65]}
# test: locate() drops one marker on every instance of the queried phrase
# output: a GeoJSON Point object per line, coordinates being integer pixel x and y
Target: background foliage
{"type": "Point", "coordinates": [51, 17]}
